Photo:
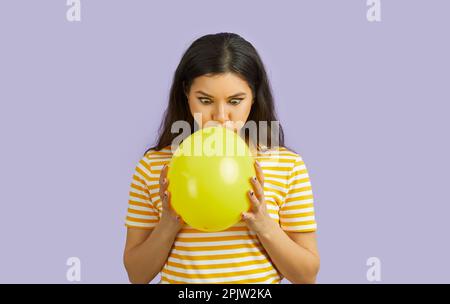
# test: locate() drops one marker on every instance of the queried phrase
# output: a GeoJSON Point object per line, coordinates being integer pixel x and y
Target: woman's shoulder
{"type": "Point", "coordinates": [280, 152]}
{"type": "Point", "coordinates": [153, 153]}
{"type": "Point", "coordinates": [153, 160]}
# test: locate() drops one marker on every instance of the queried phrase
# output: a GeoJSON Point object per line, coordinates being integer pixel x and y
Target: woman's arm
{"type": "Point", "coordinates": [146, 251]}
{"type": "Point", "coordinates": [294, 254]}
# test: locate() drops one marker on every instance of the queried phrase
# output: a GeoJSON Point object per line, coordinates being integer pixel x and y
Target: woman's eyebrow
{"type": "Point", "coordinates": [234, 95]}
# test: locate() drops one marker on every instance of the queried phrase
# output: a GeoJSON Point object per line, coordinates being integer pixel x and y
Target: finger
{"type": "Point", "coordinates": [259, 191]}
{"type": "Point", "coordinates": [254, 203]}
{"type": "Point", "coordinates": [163, 174]}
{"type": "Point", "coordinates": [247, 216]}
{"type": "Point", "coordinates": [259, 173]}
{"type": "Point", "coordinates": [165, 201]}
{"type": "Point", "coordinates": [163, 182]}
{"type": "Point", "coordinates": [163, 187]}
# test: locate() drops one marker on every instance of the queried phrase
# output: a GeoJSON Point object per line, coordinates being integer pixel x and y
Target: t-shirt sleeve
{"type": "Point", "coordinates": [141, 212]}
{"type": "Point", "coordinates": [297, 211]}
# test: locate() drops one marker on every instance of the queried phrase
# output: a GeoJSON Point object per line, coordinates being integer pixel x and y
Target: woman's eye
{"type": "Point", "coordinates": [205, 100]}
{"type": "Point", "coordinates": [235, 101]}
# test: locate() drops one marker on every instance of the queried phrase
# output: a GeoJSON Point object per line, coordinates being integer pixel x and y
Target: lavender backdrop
{"type": "Point", "coordinates": [365, 103]}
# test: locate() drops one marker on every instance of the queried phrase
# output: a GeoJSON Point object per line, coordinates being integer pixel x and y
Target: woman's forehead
{"type": "Point", "coordinates": [220, 85]}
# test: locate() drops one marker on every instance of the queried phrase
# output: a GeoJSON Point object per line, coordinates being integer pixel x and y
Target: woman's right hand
{"type": "Point", "coordinates": [169, 217]}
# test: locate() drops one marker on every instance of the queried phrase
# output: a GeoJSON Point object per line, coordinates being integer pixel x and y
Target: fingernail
{"type": "Point", "coordinates": [254, 178]}
{"type": "Point", "coordinates": [251, 192]}
{"type": "Point", "coordinates": [165, 180]}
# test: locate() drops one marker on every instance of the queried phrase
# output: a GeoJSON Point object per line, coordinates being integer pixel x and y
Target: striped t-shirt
{"type": "Point", "coordinates": [234, 255]}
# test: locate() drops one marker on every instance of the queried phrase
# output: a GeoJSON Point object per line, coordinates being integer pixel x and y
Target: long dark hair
{"type": "Point", "coordinates": [216, 54]}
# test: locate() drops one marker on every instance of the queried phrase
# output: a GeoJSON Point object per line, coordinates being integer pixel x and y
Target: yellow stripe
{"type": "Point", "coordinates": [299, 181]}
{"type": "Point", "coordinates": [299, 190]}
{"type": "Point", "coordinates": [286, 169]}
{"type": "Point", "coordinates": [298, 207]}
{"type": "Point", "coordinates": [218, 247]}
{"type": "Point", "coordinates": [298, 223]}
{"type": "Point", "coordinates": [139, 220]}
{"type": "Point", "coordinates": [261, 159]}
{"type": "Point", "coordinates": [134, 186]}
{"type": "Point", "coordinates": [134, 203]}
{"type": "Point", "coordinates": [215, 256]}
{"type": "Point", "coordinates": [233, 228]}
{"type": "Point", "coordinates": [218, 275]}
{"type": "Point", "coordinates": [294, 215]}
{"type": "Point", "coordinates": [139, 227]}
{"type": "Point", "coordinates": [218, 266]}
{"type": "Point", "coordinates": [134, 211]}
{"type": "Point", "coordinates": [141, 172]}
{"type": "Point", "coordinates": [302, 198]}
{"type": "Point", "coordinates": [217, 238]}
{"type": "Point", "coordinates": [132, 194]}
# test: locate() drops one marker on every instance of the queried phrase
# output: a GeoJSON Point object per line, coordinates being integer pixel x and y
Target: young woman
{"type": "Point", "coordinates": [222, 78]}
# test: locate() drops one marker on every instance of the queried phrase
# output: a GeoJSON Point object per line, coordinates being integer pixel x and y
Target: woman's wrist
{"type": "Point", "coordinates": [269, 230]}
{"type": "Point", "coordinates": [168, 228]}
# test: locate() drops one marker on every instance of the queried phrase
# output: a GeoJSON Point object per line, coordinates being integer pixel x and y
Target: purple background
{"type": "Point", "coordinates": [365, 104]}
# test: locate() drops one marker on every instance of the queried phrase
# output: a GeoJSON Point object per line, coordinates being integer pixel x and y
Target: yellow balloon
{"type": "Point", "coordinates": [209, 178]}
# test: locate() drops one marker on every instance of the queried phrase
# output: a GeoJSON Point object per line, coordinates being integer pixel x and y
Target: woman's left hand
{"type": "Point", "coordinates": [257, 218]}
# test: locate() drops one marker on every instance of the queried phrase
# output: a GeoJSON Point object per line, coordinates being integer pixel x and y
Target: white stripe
{"type": "Point", "coordinates": [142, 216]}
{"type": "Point", "coordinates": [275, 179]}
{"type": "Point", "coordinates": [298, 177]}
{"type": "Point", "coordinates": [138, 199]}
{"type": "Point", "coordinates": [276, 172]}
{"type": "Point", "coordinates": [299, 194]}
{"type": "Point", "coordinates": [275, 164]}
{"type": "Point", "coordinates": [218, 270]}
{"type": "Point", "coordinates": [158, 158]}
{"type": "Point", "coordinates": [268, 192]}
{"type": "Point", "coordinates": [298, 203]}
{"type": "Point", "coordinates": [155, 191]}
{"type": "Point", "coordinates": [297, 219]}
{"type": "Point", "coordinates": [216, 243]}
{"type": "Point", "coordinates": [282, 156]}
{"type": "Point", "coordinates": [271, 205]}
{"type": "Point", "coordinates": [215, 252]}
{"type": "Point", "coordinates": [298, 167]}
{"type": "Point", "coordinates": [159, 167]}
{"type": "Point", "coordinates": [220, 261]}
{"type": "Point", "coordinates": [304, 210]}
{"type": "Point", "coordinates": [144, 225]}
{"type": "Point", "coordinates": [141, 208]}
{"type": "Point", "coordinates": [134, 190]}
{"type": "Point", "coordinates": [213, 234]}
{"type": "Point", "coordinates": [299, 185]}
{"type": "Point", "coordinates": [141, 166]}
{"type": "Point", "coordinates": [269, 185]}
{"type": "Point", "coordinates": [297, 228]}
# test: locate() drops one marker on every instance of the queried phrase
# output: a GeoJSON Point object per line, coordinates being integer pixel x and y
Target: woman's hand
{"type": "Point", "coordinates": [257, 218]}
{"type": "Point", "coordinates": [169, 217]}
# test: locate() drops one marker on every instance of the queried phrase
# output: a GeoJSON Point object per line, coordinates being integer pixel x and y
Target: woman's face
{"type": "Point", "coordinates": [223, 99]}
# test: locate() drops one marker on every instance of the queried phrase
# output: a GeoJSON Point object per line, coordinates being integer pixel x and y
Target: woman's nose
{"type": "Point", "coordinates": [220, 114]}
